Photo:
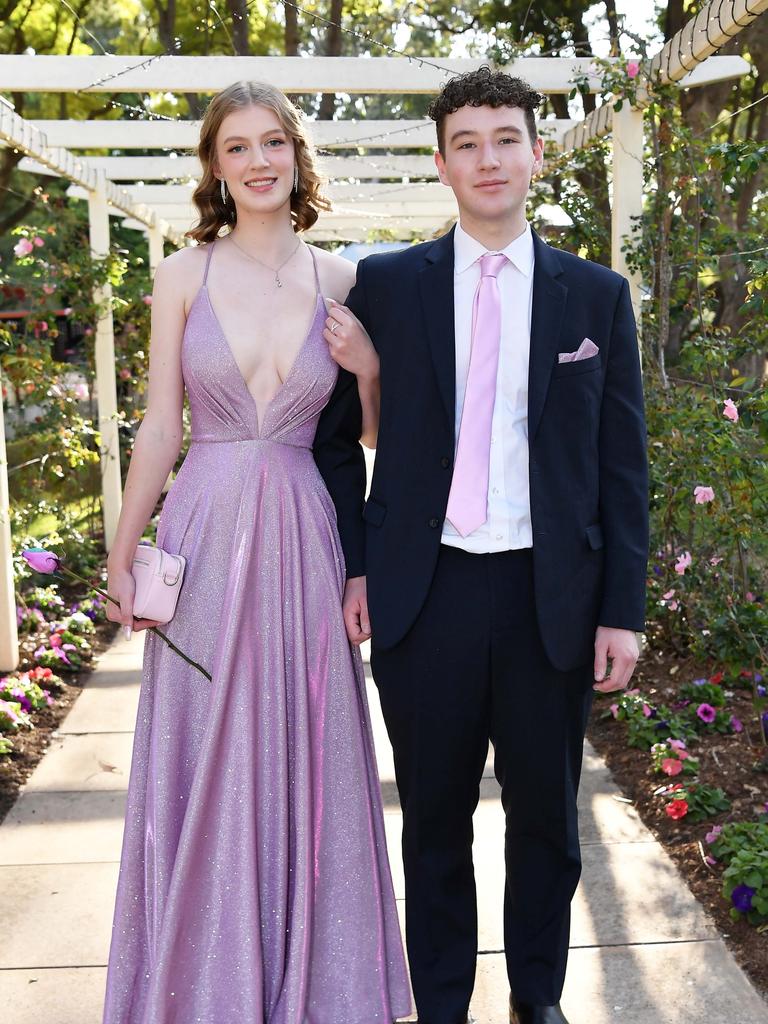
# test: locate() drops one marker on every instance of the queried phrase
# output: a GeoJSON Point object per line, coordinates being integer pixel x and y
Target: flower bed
{"type": "Point", "coordinates": [58, 638]}
{"type": "Point", "coordinates": [688, 746]}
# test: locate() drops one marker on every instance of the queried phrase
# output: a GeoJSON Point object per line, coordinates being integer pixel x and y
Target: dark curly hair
{"type": "Point", "coordinates": [484, 88]}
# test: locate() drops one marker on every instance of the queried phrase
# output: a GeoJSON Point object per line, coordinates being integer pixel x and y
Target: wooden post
{"type": "Point", "coordinates": [106, 390]}
{"type": "Point", "coordinates": [627, 202]}
{"type": "Point", "coordinates": [155, 235]}
{"type": "Point", "coordinates": [9, 637]}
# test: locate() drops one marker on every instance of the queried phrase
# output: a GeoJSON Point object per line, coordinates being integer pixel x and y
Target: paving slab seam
{"type": "Point", "coordinates": [52, 967]}
{"type": "Point", "coordinates": [652, 942]}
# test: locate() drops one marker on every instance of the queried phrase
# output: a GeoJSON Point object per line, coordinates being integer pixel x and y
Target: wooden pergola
{"type": "Point", "coordinates": [385, 185]}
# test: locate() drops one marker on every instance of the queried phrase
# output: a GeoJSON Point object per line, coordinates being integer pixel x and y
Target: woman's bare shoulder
{"type": "Point", "coordinates": [182, 271]}
{"type": "Point", "coordinates": [337, 275]}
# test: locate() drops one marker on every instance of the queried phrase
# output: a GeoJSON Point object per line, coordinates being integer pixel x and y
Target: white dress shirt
{"type": "Point", "coordinates": [508, 524]}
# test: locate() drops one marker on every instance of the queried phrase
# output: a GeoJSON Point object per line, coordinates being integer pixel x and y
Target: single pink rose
{"type": "Point", "coordinates": [41, 560]}
{"type": "Point", "coordinates": [614, 709]}
{"type": "Point", "coordinates": [731, 410]}
{"type": "Point", "coordinates": [669, 594]}
{"type": "Point", "coordinates": [647, 710]}
{"type": "Point", "coordinates": [147, 300]}
{"type": "Point", "coordinates": [124, 374]}
{"type": "Point", "coordinates": [682, 754]}
{"type": "Point", "coordinates": [38, 242]}
{"type": "Point", "coordinates": [671, 766]}
{"type": "Point", "coordinates": [703, 495]}
{"type": "Point", "coordinates": [23, 247]}
{"type": "Point", "coordinates": [88, 332]}
{"type": "Point", "coordinates": [749, 596]}
{"type": "Point", "coordinates": [633, 68]}
{"type": "Point", "coordinates": [673, 606]}
{"type": "Point", "coordinates": [683, 562]}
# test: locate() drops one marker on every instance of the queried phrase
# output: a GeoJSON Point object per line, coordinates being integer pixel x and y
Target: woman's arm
{"type": "Point", "coordinates": [158, 440]}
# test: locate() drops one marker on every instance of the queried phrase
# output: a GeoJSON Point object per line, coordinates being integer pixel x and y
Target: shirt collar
{"type": "Point", "coordinates": [467, 250]}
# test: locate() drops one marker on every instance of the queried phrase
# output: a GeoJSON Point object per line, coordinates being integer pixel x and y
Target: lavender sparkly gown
{"type": "Point", "coordinates": [254, 884]}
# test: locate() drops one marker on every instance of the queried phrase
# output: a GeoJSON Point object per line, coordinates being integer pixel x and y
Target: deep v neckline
{"type": "Point", "coordinates": [261, 419]}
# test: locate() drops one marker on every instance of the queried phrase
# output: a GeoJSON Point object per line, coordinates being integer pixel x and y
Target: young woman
{"type": "Point", "coordinates": [254, 885]}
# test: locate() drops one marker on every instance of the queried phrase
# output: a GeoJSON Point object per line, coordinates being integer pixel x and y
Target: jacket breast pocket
{"type": "Point", "coordinates": [576, 368]}
{"type": "Point", "coordinates": [374, 512]}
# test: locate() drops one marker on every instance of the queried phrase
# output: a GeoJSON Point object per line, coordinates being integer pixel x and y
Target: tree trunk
{"type": "Point", "coordinates": [239, 11]}
{"type": "Point", "coordinates": [291, 31]}
{"type": "Point", "coordinates": [333, 43]}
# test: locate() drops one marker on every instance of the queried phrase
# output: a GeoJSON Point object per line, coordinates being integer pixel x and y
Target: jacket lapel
{"type": "Point", "coordinates": [549, 295]}
{"type": "Point", "coordinates": [436, 288]}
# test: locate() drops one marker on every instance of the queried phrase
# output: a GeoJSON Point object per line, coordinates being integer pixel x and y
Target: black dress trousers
{"type": "Point", "coordinates": [473, 668]}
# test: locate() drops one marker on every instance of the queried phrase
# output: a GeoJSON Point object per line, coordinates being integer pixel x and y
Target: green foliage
{"type": "Point", "coordinates": [647, 723]}
{"type": "Point", "coordinates": [748, 870]}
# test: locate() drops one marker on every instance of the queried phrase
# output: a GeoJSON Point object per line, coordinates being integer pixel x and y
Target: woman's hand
{"type": "Point", "coordinates": [122, 587]}
{"type": "Point", "coordinates": [349, 343]}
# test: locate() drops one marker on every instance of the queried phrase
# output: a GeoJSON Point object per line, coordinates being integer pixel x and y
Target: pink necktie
{"type": "Point", "coordinates": [468, 499]}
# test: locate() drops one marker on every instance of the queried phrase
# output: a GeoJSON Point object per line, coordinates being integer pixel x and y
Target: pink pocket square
{"type": "Point", "coordinates": [586, 349]}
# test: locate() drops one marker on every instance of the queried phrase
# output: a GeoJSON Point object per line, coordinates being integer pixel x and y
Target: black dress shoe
{"type": "Point", "coordinates": [527, 1013]}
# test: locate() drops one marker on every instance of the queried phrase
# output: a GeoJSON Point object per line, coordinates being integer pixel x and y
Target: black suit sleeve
{"type": "Point", "coordinates": [339, 454]}
{"type": "Point", "coordinates": [623, 477]}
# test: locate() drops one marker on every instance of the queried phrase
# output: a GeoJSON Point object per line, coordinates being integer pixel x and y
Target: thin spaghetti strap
{"type": "Point", "coordinates": [208, 260]}
{"type": "Point", "coordinates": [314, 264]}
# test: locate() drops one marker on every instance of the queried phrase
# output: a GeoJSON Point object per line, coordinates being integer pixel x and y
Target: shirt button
{"type": "Point", "coordinates": [445, 462]}
{"type": "Point", "coordinates": [434, 522]}
{"type": "Point", "coordinates": [499, 536]}
{"type": "Point", "coordinates": [495, 490]}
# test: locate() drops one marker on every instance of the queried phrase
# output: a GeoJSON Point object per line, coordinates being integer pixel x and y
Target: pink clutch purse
{"type": "Point", "coordinates": [158, 576]}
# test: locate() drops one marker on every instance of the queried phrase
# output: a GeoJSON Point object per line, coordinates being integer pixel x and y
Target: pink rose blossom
{"type": "Point", "coordinates": [23, 247]}
{"type": "Point", "coordinates": [703, 495]}
{"type": "Point", "coordinates": [614, 709]}
{"type": "Point", "coordinates": [124, 374]}
{"type": "Point", "coordinates": [683, 563]}
{"type": "Point", "coordinates": [671, 766]}
{"type": "Point", "coordinates": [673, 606]}
{"type": "Point", "coordinates": [647, 710]}
{"type": "Point", "coordinates": [633, 68]}
{"type": "Point", "coordinates": [38, 242]}
{"type": "Point", "coordinates": [749, 596]}
{"type": "Point", "coordinates": [669, 594]}
{"type": "Point", "coordinates": [682, 755]}
{"type": "Point", "coordinates": [147, 300]}
{"type": "Point", "coordinates": [731, 410]}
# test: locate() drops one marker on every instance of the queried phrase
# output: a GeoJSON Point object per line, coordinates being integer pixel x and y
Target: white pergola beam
{"type": "Point", "coordinates": [425, 192]}
{"type": "Point", "coordinates": [351, 75]}
{"type": "Point", "coordinates": [184, 135]}
{"type": "Point", "coordinates": [710, 29]}
{"type": "Point", "coordinates": [166, 168]}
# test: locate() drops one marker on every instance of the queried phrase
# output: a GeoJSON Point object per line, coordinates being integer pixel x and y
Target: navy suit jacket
{"type": "Point", "coordinates": [586, 437]}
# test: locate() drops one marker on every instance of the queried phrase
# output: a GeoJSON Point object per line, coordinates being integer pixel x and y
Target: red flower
{"type": "Point", "coordinates": [671, 766]}
{"type": "Point", "coordinates": [717, 678]}
{"type": "Point", "coordinates": [677, 809]}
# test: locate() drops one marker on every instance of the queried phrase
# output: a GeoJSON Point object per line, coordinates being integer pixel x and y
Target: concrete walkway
{"type": "Point", "coordinates": [643, 951]}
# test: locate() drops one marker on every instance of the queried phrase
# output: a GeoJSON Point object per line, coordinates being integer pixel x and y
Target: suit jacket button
{"type": "Point", "coordinates": [434, 522]}
{"type": "Point", "coordinates": [445, 462]}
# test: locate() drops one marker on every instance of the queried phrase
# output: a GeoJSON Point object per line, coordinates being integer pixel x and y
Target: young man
{"type": "Point", "coordinates": [504, 541]}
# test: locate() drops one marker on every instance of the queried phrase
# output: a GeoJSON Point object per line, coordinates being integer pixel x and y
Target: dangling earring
{"type": "Point", "coordinates": [296, 178]}
{"type": "Point", "coordinates": [223, 191]}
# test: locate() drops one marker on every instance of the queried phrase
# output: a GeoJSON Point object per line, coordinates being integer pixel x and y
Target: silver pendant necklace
{"type": "Point", "coordinates": [275, 270]}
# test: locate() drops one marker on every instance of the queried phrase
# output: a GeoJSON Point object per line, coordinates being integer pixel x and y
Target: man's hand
{"type": "Point", "coordinates": [620, 645]}
{"type": "Point", "coordinates": [355, 610]}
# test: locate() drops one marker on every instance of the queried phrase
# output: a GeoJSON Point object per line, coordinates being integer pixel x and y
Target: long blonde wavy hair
{"type": "Point", "coordinates": [306, 201]}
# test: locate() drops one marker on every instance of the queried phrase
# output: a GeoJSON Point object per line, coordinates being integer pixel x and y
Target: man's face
{"type": "Point", "coordinates": [489, 160]}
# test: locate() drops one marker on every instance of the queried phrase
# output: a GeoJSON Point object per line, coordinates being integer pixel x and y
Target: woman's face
{"type": "Point", "coordinates": [255, 156]}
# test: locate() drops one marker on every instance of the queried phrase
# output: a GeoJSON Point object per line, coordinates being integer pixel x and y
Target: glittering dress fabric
{"type": "Point", "coordinates": [254, 883]}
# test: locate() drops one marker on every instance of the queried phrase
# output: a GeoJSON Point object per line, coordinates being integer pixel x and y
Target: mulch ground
{"type": "Point", "coordinates": [737, 763]}
{"type": "Point", "coordinates": [30, 745]}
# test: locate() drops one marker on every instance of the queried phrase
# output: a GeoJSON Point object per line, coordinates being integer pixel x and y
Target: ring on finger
{"type": "Point", "coordinates": [335, 325]}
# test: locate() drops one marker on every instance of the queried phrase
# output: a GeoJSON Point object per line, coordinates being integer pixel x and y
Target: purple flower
{"type": "Point", "coordinates": [736, 724]}
{"type": "Point", "coordinates": [741, 898]}
{"type": "Point", "coordinates": [758, 678]}
{"type": "Point", "coordinates": [41, 560]}
{"type": "Point", "coordinates": [699, 682]}
{"type": "Point", "coordinates": [713, 833]}
{"type": "Point", "coordinates": [761, 690]}
{"type": "Point", "coordinates": [709, 859]}
{"type": "Point", "coordinates": [706, 713]}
